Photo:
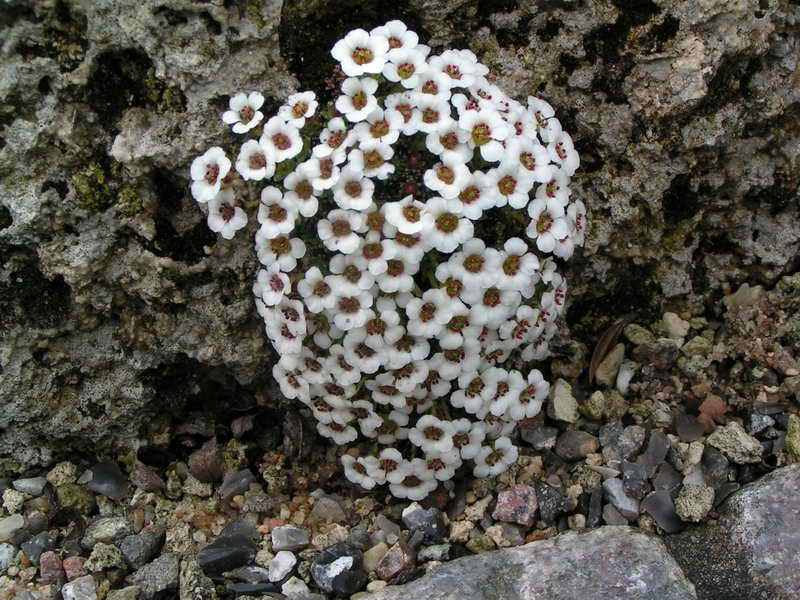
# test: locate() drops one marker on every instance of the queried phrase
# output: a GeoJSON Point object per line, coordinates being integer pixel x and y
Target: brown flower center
{"type": "Point", "coordinates": [353, 189]}
{"type": "Point", "coordinates": [469, 194]}
{"type": "Point", "coordinates": [453, 71]}
{"type": "Point", "coordinates": [379, 128]}
{"type": "Point", "coordinates": [396, 267]}
{"type": "Point", "coordinates": [372, 250]}
{"type": "Point", "coordinates": [352, 273]}
{"type": "Point", "coordinates": [447, 222]}
{"type": "Point", "coordinates": [511, 265]}
{"type": "Point", "coordinates": [430, 115]}
{"type": "Point", "coordinates": [281, 141]}
{"type": "Point", "coordinates": [427, 312]}
{"type": "Point", "coordinates": [299, 110]}
{"type": "Point", "coordinates": [322, 289]}
{"type": "Point", "coordinates": [325, 168]}
{"type": "Point", "coordinates": [304, 189]}
{"type": "Point", "coordinates": [430, 87]}
{"type": "Point", "coordinates": [257, 161]}
{"type": "Point", "coordinates": [406, 110]}
{"type": "Point", "coordinates": [362, 56]}
{"type": "Point", "coordinates": [349, 305]}
{"type": "Point", "coordinates": [446, 175]}
{"type": "Point", "coordinates": [335, 139]}
{"type": "Point", "coordinates": [449, 140]}
{"type": "Point", "coordinates": [212, 172]}
{"type": "Point", "coordinates": [359, 100]}
{"type": "Point", "coordinates": [373, 159]}
{"type": "Point", "coordinates": [280, 245]}
{"type": "Point", "coordinates": [528, 161]}
{"type": "Point", "coordinates": [406, 70]}
{"type": "Point", "coordinates": [457, 323]}
{"type": "Point", "coordinates": [246, 114]}
{"type": "Point", "coordinates": [341, 228]}
{"type": "Point", "coordinates": [411, 213]}
{"type": "Point", "coordinates": [432, 433]}
{"type": "Point", "coordinates": [395, 42]}
{"type": "Point", "coordinates": [544, 223]}
{"type": "Point", "coordinates": [491, 297]}
{"type": "Point", "coordinates": [376, 326]}
{"type": "Point", "coordinates": [452, 287]}
{"type": "Point", "coordinates": [507, 185]}
{"type": "Point", "coordinates": [375, 221]}
{"type": "Point", "coordinates": [474, 263]}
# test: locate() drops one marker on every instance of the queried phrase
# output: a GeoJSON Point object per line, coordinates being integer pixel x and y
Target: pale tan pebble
{"type": "Point", "coordinates": [13, 500]}
{"type": "Point", "coordinates": [63, 472]}
{"type": "Point", "coordinates": [376, 586]}
{"type": "Point", "coordinates": [373, 556]}
{"type": "Point", "coordinates": [576, 521]}
{"type": "Point", "coordinates": [594, 459]}
{"type": "Point", "coordinates": [475, 511]}
{"type": "Point", "coordinates": [460, 530]}
{"type": "Point", "coordinates": [299, 516]}
{"type": "Point", "coordinates": [199, 537]}
{"type": "Point", "coordinates": [574, 491]}
{"type": "Point", "coordinates": [329, 536]}
{"type": "Point", "coordinates": [263, 557]}
{"type": "Point", "coordinates": [365, 506]}
{"type": "Point", "coordinates": [694, 455]}
{"type": "Point", "coordinates": [285, 513]}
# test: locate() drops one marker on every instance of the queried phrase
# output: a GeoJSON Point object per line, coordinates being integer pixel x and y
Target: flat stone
{"type": "Point", "coordinates": [130, 592]}
{"type": "Point", "coordinates": [193, 583]}
{"type": "Point", "coordinates": [33, 547]}
{"type": "Point", "coordinates": [562, 405]}
{"type": "Point", "coordinates": [755, 542]}
{"type": "Point", "coordinates": [517, 504]}
{"type": "Point", "coordinates": [82, 588]}
{"type": "Point", "coordinates": [636, 334]}
{"type": "Point", "coordinates": [575, 445]}
{"type": "Point", "coordinates": [735, 443]}
{"type": "Point", "coordinates": [399, 559]}
{"type": "Point", "coordinates": [610, 559]}
{"type": "Point", "coordinates": [606, 373]}
{"type": "Point", "coordinates": [140, 549]}
{"type": "Point", "coordinates": [74, 567]}
{"type": "Point", "coordinates": [660, 506]}
{"type": "Point", "coordinates": [429, 521]}
{"type": "Point", "coordinates": [235, 483]}
{"type": "Point", "coordinates": [339, 570]}
{"type": "Point", "coordinates": [106, 529]}
{"type": "Point", "coordinates": [289, 537]}
{"type": "Point", "coordinates": [373, 556]}
{"type": "Point", "coordinates": [225, 553]}
{"type": "Point", "coordinates": [437, 552]}
{"type": "Point", "coordinates": [615, 493]}
{"type": "Point", "coordinates": [326, 509]}
{"type": "Point", "coordinates": [50, 568]}
{"type": "Point", "coordinates": [7, 554]}
{"type": "Point", "coordinates": [158, 578]}
{"type": "Point", "coordinates": [108, 480]}
{"type": "Point", "coordinates": [104, 557]}
{"type": "Point", "coordinates": [30, 485]}
{"type": "Point", "coordinates": [539, 436]}
{"type": "Point", "coordinates": [550, 500]}
{"type": "Point", "coordinates": [281, 565]}
{"type": "Point", "coordinates": [10, 525]}
{"type": "Point", "coordinates": [611, 516]}
{"type": "Point", "coordinates": [675, 327]}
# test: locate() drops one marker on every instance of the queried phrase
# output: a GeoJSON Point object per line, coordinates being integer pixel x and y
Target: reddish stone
{"type": "Point", "coordinates": [398, 560]}
{"type": "Point", "coordinates": [517, 504]}
{"type": "Point", "coordinates": [74, 568]}
{"type": "Point", "coordinates": [50, 569]}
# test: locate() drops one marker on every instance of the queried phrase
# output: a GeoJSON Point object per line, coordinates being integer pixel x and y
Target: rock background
{"type": "Point", "coordinates": [120, 311]}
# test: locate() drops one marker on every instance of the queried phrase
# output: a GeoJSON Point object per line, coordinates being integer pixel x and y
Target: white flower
{"type": "Point", "coordinates": [476, 265]}
{"type": "Point", "coordinates": [444, 465]}
{"type": "Point", "coordinates": [276, 215]}
{"type": "Point", "coordinates": [433, 84]}
{"type": "Point", "coordinates": [271, 285]}
{"type": "Point", "coordinates": [463, 359]}
{"type": "Point", "coordinates": [449, 176]}
{"type": "Point", "coordinates": [417, 484]}
{"type": "Point", "coordinates": [207, 173]}
{"type": "Point", "coordinates": [298, 108]}
{"type": "Point", "coordinates": [398, 276]}
{"type": "Point", "coordinates": [449, 228]}
{"type": "Point", "coordinates": [350, 311]}
{"type": "Point", "coordinates": [316, 291]}
{"type": "Point", "coordinates": [300, 190]}
{"type": "Point", "coordinates": [523, 124]}
{"type": "Point", "coordinates": [407, 350]}
{"type": "Point", "coordinates": [224, 216]}
{"type": "Point", "coordinates": [279, 249]}
{"type": "Point", "coordinates": [459, 327]}
{"type": "Point", "coordinates": [562, 152]}
{"type": "Point", "coordinates": [353, 190]}
{"type": "Point", "coordinates": [291, 384]}
{"type": "Point", "coordinates": [339, 368]}
{"type": "Point", "coordinates": [341, 434]}
{"type": "Point", "coordinates": [360, 52]}
{"type": "Point", "coordinates": [335, 139]}
{"type": "Point", "coordinates": [254, 161]}
{"type": "Point", "coordinates": [556, 188]}
{"type": "Point", "coordinates": [324, 174]}
{"type": "Point", "coordinates": [384, 327]}
{"type": "Point", "coordinates": [518, 268]}
{"type": "Point", "coordinates": [382, 126]}
{"type": "Point", "coordinates": [468, 437]}
{"type": "Point", "coordinates": [390, 467]}
{"type": "Point", "coordinates": [408, 215]}
{"type": "Point", "coordinates": [376, 252]}
{"type": "Point", "coordinates": [357, 470]}
{"type": "Point", "coordinates": [491, 461]}
{"type": "Point", "coordinates": [405, 66]}
{"type": "Point", "coordinates": [392, 429]}
{"type": "Point", "coordinates": [477, 194]}
{"type": "Point", "coordinates": [529, 403]}
{"type": "Point", "coordinates": [548, 223]}
{"type": "Point", "coordinates": [406, 105]}
{"type": "Point", "coordinates": [427, 315]}
{"type": "Point", "coordinates": [449, 137]}
{"type": "Point", "coordinates": [502, 389]}
{"type": "Point", "coordinates": [372, 158]}
{"type": "Point", "coordinates": [281, 138]}
{"type": "Point", "coordinates": [576, 217]}
{"type": "Point", "coordinates": [543, 113]}
{"type": "Point", "coordinates": [411, 246]}
{"type": "Point", "coordinates": [434, 114]}
{"type": "Point", "coordinates": [487, 130]}
{"type": "Point", "coordinates": [512, 185]}
{"type": "Point", "coordinates": [351, 272]}
{"type": "Point", "coordinates": [529, 157]}
{"type": "Point", "coordinates": [359, 354]}
{"type": "Point", "coordinates": [491, 306]}
{"type": "Point", "coordinates": [358, 100]}
{"type": "Point", "coordinates": [244, 114]}
{"type": "Point", "coordinates": [400, 38]}
{"type": "Point", "coordinates": [432, 435]}
{"type": "Point", "coordinates": [460, 69]}
{"type": "Point", "coordinates": [338, 231]}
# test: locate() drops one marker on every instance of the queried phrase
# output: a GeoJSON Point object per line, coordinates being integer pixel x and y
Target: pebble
{"type": "Point", "coordinates": [575, 445]}
{"type": "Point", "coordinates": [538, 436]}
{"type": "Point", "coordinates": [667, 479]}
{"type": "Point", "coordinates": [107, 479]}
{"type": "Point", "coordinates": [159, 578]}
{"type": "Point", "coordinates": [654, 454]}
{"type": "Point", "coordinates": [326, 509]}
{"type": "Point", "coordinates": [74, 568]}
{"type": "Point", "coordinates": [635, 480]}
{"type": "Point", "coordinates": [611, 516]}
{"type": "Point", "coordinates": [576, 521]}
{"type": "Point", "coordinates": [505, 535]}
{"type": "Point", "coordinates": [661, 355]}
{"type": "Point", "coordinates": [106, 529]}
{"type": "Point", "coordinates": [63, 472]}
{"type": "Point", "coordinates": [480, 544]}
{"type": "Point", "coordinates": [7, 554]}
{"type": "Point", "coordinates": [373, 556]}
{"type": "Point", "coordinates": [249, 574]}
{"type": "Point", "coordinates": [637, 334]}
{"type": "Point", "coordinates": [606, 373]}
{"type": "Point", "coordinates": [194, 487]}
{"type": "Point", "coordinates": [736, 444]}
{"type": "Point", "coordinates": [207, 463]}
{"type": "Point", "coordinates": [130, 592]}
{"type": "Point", "coordinates": [140, 549]}
{"type": "Point", "coordinates": [615, 493]}
{"type": "Point", "coordinates": [339, 569]}
{"type": "Point", "coordinates": [694, 502]}
{"type": "Point", "coordinates": [660, 506]}
{"type": "Point", "coordinates": [688, 427]}
{"type": "Point", "coordinates": [105, 556]}
{"type": "Point", "coordinates": [562, 405]}
{"type": "Point", "coordinates": [30, 485]}
{"type": "Point", "coordinates": [697, 346]}
{"type": "Point", "coordinates": [517, 504]}
{"type": "Point", "coordinates": [675, 327]}
{"type": "Point", "coordinates": [550, 500]}
{"type": "Point", "coordinates": [289, 537]}
{"type": "Point", "coordinates": [82, 588]}
{"type": "Point", "coordinates": [72, 495]}
{"type": "Point", "coordinates": [631, 440]}
{"type": "Point", "coordinates": [399, 559]}
{"type": "Point", "coordinates": [225, 553]}
{"type": "Point", "coordinates": [460, 530]}
{"type": "Point", "coordinates": [146, 478]}
{"type": "Point", "coordinates": [281, 565]}
{"type": "Point", "coordinates": [437, 552]}
{"type": "Point", "coordinates": [294, 587]}
{"type": "Point", "coordinates": [235, 483]}
{"type": "Point", "coordinates": [37, 544]}
{"type": "Point", "coordinates": [627, 371]}
{"type": "Point", "coordinates": [50, 568]}
{"type": "Point", "coordinates": [10, 525]}
{"type": "Point", "coordinates": [13, 500]}
{"type": "Point", "coordinates": [428, 521]}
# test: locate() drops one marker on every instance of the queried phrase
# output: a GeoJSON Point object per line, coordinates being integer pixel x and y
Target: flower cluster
{"type": "Point", "coordinates": [396, 307]}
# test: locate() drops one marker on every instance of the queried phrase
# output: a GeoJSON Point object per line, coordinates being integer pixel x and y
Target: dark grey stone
{"type": "Point", "coordinates": [158, 579]}
{"type": "Point", "coordinates": [235, 483]}
{"type": "Point", "coordinates": [109, 480]}
{"type": "Point", "coordinates": [138, 550]}
{"type": "Point", "coordinates": [429, 521]}
{"type": "Point", "coordinates": [609, 563]}
{"type": "Point", "coordinates": [750, 552]}
{"type": "Point", "coordinates": [339, 569]}
{"type": "Point", "coordinates": [660, 506]}
{"type": "Point", "coordinates": [225, 553]}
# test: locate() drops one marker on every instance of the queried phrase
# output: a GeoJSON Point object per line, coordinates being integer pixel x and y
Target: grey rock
{"type": "Point", "coordinates": [576, 444]}
{"type": "Point", "coordinates": [610, 558]}
{"type": "Point", "coordinates": [427, 520]}
{"type": "Point", "coordinates": [634, 479]}
{"type": "Point", "coordinates": [539, 436]}
{"type": "Point", "coordinates": [141, 548]}
{"type": "Point", "coordinates": [550, 500]}
{"type": "Point", "coordinates": [440, 552]}
{"type": "Point", "coordinates": [109, 480]}
{"type": "Point", "coordinates": [289, 537]}
{"type": "Point", "coordinates": [10, 525]}
{"type": "Point", "coordinates": [234, 483]}
{"type": "Point", "coordinates": [225, 553]}
{"type": "Point", "coordinates": [158, 578]}
{"type": "Point", "coordinates": [660, 506]}
{"type": "Point", "coordinates": [668, 479]}
{"type": "Point", "coordinates": [104, 556]}
{"type": "Point", "coordinates": [715, 467]}
{"type": "Point", "coordinates": [632, 440]}
{"type": "Point", "coordinates": [31, 485]}
{"type": "Point", "coordinates": [736, 444]}
{"type": "Point", "coordinates": [250, 574]}
{"type": "Point", "coordinates": [339, 570]}
{"type": "Point", "coordinates": [654, 454]}
{"type": "Point", "coordinates": [615, 492]}
{"type": "Point", "coordinates": [106, 529]}
{"type": "Point", "coordinates": [193, 583]}
{"type": "Point", "coordinates": [37, 544]}
{"type": "Point", "coordinates": [755, 543]}
{"type": "Point", "coordinates": [611, 516]}
{"type": "Point", "coordinates": [281, 565]}
{"type": "Point", "coordinates": [7, 554]}
{"type": "Point", "coordinates": [130, 592]}
{"type": "Point", "coordinates": [82, 588]}
{"type": "Point", "coordinates": [326, 509]}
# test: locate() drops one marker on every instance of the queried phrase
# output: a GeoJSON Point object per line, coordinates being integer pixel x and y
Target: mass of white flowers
{"type": "Point", "coordinates": [395, 321]}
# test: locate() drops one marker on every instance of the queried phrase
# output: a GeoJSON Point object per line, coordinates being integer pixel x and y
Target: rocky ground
{"type": "Point", "coordinates": [145, 451]}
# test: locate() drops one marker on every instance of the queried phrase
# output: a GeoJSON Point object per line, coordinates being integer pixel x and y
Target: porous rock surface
{"type": "Point", "coordinates": [118, 307]}
{"type": "Point", "coordinates": [605, 564]}
{"type": "Point", "coordinates": [751, 550]}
